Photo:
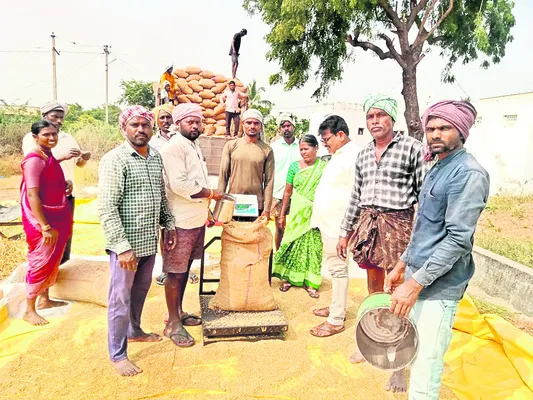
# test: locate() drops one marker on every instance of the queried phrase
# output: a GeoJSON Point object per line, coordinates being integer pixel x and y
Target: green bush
{"type": "Point", "coordinates": [97, 137]}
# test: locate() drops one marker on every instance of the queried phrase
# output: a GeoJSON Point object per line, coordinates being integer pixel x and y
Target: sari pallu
{"type": "Point", "coordinates": [44, 258]}
{"type": "Point", "coordinates": [381, 237]}
{"type": "Point", "coordinates": [299, 257]}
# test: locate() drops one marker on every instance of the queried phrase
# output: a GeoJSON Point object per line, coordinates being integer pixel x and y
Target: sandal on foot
{"type": "Point", "coordinates": [321, 312]}
{"type": "Point", "coordinates": [284, 286]}
{"type": "Point", "coordinates": [179, 336]}
{"type": "Point", "coordinates": [190, 320]}
{"type": "Point", "coordinates": [313, 293]}
{"type": "Point", "coordinates": [160, 280]}
{"type": "Point", "coordinates": [325, 330]}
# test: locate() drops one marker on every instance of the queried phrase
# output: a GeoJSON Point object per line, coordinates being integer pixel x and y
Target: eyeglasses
{"type": "Point", "coordinates": [326, 140]}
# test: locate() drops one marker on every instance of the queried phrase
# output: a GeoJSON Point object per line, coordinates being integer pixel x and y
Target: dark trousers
{"type": "Point", "coordinates": [127, 293]}
{"type": "Point", "coordinates": [236, 117]}
{"type": "Point", "coordinates": [66, 253]}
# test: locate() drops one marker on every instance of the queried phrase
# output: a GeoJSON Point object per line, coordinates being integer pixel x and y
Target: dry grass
{"type": "Point", "coordinates": [12, 251]}
{"type": "Point", "coordinates": [10, 165]}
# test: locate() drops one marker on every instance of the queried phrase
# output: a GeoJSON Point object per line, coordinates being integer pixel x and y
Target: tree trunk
{"type": "Point", "coordinates": [410, 96]}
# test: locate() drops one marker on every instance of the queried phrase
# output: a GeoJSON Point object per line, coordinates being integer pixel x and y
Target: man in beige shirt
{"type": "Point", "coordinates": [188, 195]}
{"type": "Point", "coordinates": [247, 165]}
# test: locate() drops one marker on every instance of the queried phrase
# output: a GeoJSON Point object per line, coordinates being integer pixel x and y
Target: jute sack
{"type": "Point", "coordinates": [220, 116]}
{"type": "Point", "coordinates": [220, 130]}
{"type": "Point", "coordinates": [209, 130]}
{"type": "Point", "coordinates": [207, 74]}
{"type": "Point", "coordinates": [184, 87]}
{"type": "Point", "coordinates": [193, 70]}
{"type": "Point", "coordinates": [194, 98]}
{"type": "Point", "coordinates": [219, 109]}
{"type": "Point", "coordinates": [209, 103]}
{"type": "Point", "coordinates": [180, 73]}
{"type": "Point", "coordinates": [194, 85]}
{"type": "Point", "coordinates": [208, 113]}
{"type": "Point", "coordinates": [206, 83]}
{"type": "Point", "coordinates": [221, 122]}
{"type": "Point", "coordinates": [219, 88]}
{"type": "Point", "coordinates": [206, 94]}
{"type": "Point", "coordinates": [193, 77]}
{"type": "Point", "coordinates": [82, 280]}
{"type": "Point", "coordinates": [183, 99]}
{"type": "Point", "coordinates": [219, 78]}
{"type": "Point", "coordinates": [210, 121]}
{"type": "Point", "coordinates": [246, 248]}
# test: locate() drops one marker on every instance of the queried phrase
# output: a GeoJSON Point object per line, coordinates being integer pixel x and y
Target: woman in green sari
{"type": "Point", "coordinates": [299, 258]}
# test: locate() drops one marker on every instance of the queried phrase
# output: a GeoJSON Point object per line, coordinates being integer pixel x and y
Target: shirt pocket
{"type": "Point", "coordinates": [433, 207]}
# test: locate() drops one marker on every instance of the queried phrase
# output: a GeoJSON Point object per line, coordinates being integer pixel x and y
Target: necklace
{"type": "Point", "coordinates": [41, 151]}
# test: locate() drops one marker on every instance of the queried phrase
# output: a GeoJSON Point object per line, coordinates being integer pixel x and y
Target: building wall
{"type": "Point", "coordinates": [502, 141]}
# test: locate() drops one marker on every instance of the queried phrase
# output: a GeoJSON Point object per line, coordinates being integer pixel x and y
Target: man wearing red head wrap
{"type": "Point", "coordinates": [188, 194]}
{"type": "Point", "coordinates": [132, 205]}
{"type": "Point", "coordinates": [433, 272]}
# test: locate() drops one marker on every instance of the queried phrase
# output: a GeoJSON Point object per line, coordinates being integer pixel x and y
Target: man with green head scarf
{"type": "Point", "coordinates": [378, 221]}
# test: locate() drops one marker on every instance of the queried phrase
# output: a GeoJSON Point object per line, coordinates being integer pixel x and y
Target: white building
{"type": "Point", "coordinates": [502, 142]}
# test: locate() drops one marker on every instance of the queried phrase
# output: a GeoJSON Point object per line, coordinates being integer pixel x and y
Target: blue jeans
{"type": "Point", "coordinates": [127, 293]}
{"type": "Point", "coordinates": [434, 321]}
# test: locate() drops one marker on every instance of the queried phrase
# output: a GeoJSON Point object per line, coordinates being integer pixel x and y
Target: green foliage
{"type": "Point", "coordinates": [271, 129]}
{"type": "Point", "coordinates": [255, 100]}
{"type": "Point", "coordinates": [309, 36]}
{"type": "Point", "coordinates": [137, 93]}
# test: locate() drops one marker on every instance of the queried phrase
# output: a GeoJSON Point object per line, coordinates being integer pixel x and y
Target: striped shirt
{"type": "Point", "coordinates": [392, 184]}
{"type": "Point", "coordinates": [132, 201]}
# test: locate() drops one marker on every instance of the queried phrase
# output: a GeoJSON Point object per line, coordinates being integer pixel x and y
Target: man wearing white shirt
{"type": "Point", "coordinates": [67, 152]}
{"type": "Point", "coordinates": [331, 200]}
{"type": "Point", "coordinates": [286, 151]}
{"type": "Point", "coordinates": [188, 195]}
{"type": "Point", "coordinates": [230, 98]}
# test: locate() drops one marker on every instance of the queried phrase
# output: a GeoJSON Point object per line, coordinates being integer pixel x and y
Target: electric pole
{"type": "Point", "coordinates": [54, 75]}
{"type": "Point", "coordinates": [106, 52]}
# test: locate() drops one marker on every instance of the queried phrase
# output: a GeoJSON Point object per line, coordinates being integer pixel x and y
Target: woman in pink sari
{"type": "Point", "coordinates": [46, 219]}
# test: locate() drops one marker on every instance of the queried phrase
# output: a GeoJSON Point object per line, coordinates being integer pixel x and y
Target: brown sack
{"type": "Point", "coordinates": [195, 77]}
{"type": "Point", "coordinates": [193, 70]}
{"type": "Point", "coordinates": [183, 99]}
{"type": "Point", "coordinates": [220, 130]}
{"type": "Point", "coordinates": [209, 130]}
{"type": "Point", "coordinates": [238, 83]}
{"type": "Point", "coordinates": [210, 121]}
{"type": "Point", "coordinates": [219, 78]}
{"type": "Point", "coordinates": [194, 98]}
{"type": "Point", "coordinates": [207, 74]}
{"type": "Point", "coordinates": [220, 116]}
{"type": "Point", "coordinates": [207, 103]}
{"type": "Point", "coordinates": [206, 94]}
{"type": "Point", "coordinates": [219, 88]}
{"type": "Point", "coordinates": [195, 86]}
{"type": "Point", "coordinates": [82, 280]}
{"type": "Point", "coordinates": [217, 98]}
{"type": "Point", "coordinates": [221, 122]}
{"type": "Point", "coordinates": [207, 83]}
{"type": "Point", "coordinates": [208, 113]}
{"type": "Point", "coordinates": [242, 89]}
{"type": "Point", "coordinates": [180, 73]}
{"type": "Point", "coordinates": [246, 248]}
{"type": "Point", "coordinates": [219, 109]}
{"type": "Point", "coordinates": [184, 87]}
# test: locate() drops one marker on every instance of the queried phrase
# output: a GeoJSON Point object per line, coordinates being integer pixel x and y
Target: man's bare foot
{"type": "Point", "coordinates": [126, 367]}
{"type": "Point", "coordinates": [397, 383]}
{"type": "Point", "coordinates": [146, 337]}
{"type": "Point", "coordinates": [48, 303]}
{"type": "Point", "coordinates": [357, 358]}
{"type": "Point", "coordinates": [33, 318]}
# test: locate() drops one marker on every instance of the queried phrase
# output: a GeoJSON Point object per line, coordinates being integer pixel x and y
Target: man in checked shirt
{"type": "Point", "coordinates": [378, 221]}
{"type": "Point", "coordinates": [132, 207]}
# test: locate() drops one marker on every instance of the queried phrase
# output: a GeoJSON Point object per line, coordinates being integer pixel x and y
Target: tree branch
{"type": "Point", "coordinates": [391, 13]}
{"type": "Point", "coordinates": [392, 49]}
{"type": "Point", "coordinates": [420, 39]}
{"type": "Point", "coordinates": [415, 10]}
{"type": "Point", "coordinates": [368, 46]}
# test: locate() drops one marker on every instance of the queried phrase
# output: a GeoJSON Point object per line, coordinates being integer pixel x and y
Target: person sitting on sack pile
{"type": "Point", "coordinates": [286, 151]}
{"type": "Point", "coordinates": [247, 164]}
{"type": "Point", "coordinates": [388, 176]}
{"type": "Point", "coordinates": [188, 194]}
{"type": "Point", "coordinates": [132, 206]}
{"type": "Point", "coordinates": [433, 272]}
{"type": "Point", "coordinates": [168, 77]}
{"type": "Point", "coordinates": [67, 152]}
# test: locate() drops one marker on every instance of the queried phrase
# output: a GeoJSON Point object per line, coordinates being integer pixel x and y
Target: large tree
{"type": "Point", "coordinates": [312, 35]}
{"type": "Point", "coordinates": [137, 93]}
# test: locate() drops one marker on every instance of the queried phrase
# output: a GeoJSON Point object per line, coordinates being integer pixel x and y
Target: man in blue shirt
{"type": "Point", "coordinates": [433, 272]}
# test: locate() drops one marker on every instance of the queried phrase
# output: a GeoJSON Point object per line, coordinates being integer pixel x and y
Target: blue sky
{"type": "Point", "coordinates": [145, 38]}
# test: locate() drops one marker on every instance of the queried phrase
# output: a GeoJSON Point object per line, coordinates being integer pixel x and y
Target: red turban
{"type": "Point", "coordinates": [184, 110]}
{"type": "Point", "coordinates": [134, 111]}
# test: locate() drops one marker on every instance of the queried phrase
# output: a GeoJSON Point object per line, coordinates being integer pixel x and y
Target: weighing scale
{"type": "Point", "coordinates": [221, 325]}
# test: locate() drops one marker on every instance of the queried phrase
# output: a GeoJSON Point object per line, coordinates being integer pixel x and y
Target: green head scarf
{"type": "Point", "coordinates": [383, 102]}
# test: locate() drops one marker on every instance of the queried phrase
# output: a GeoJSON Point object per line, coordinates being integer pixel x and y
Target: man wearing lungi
{"type": "Point", "coordinates": [388, 177]}
{"type": "Point", "coordinates": [433, 272]}
{"type": "Point", "coordinates": [188, 195]}
{"type": "Point", "coordinates": [132, 206]}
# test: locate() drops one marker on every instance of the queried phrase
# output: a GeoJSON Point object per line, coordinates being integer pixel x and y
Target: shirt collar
{"type": "Point", "coordinates": [130, 150]}
{"type": "Point", "coordinates": [396, 138]}
{"type": "Point", "coordinates": [344, 148]}
{"type": "Point", "coordinates": [449, 159]}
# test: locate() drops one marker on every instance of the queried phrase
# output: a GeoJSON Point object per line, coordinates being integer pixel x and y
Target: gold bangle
{"type": "Point", "coordinates": [210, 194]}
{"type": "Point", "coordinates": [46, 228]}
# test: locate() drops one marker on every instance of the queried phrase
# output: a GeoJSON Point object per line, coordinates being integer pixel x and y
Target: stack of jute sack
{"type": "Point", "coordinates": [204, 87]}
